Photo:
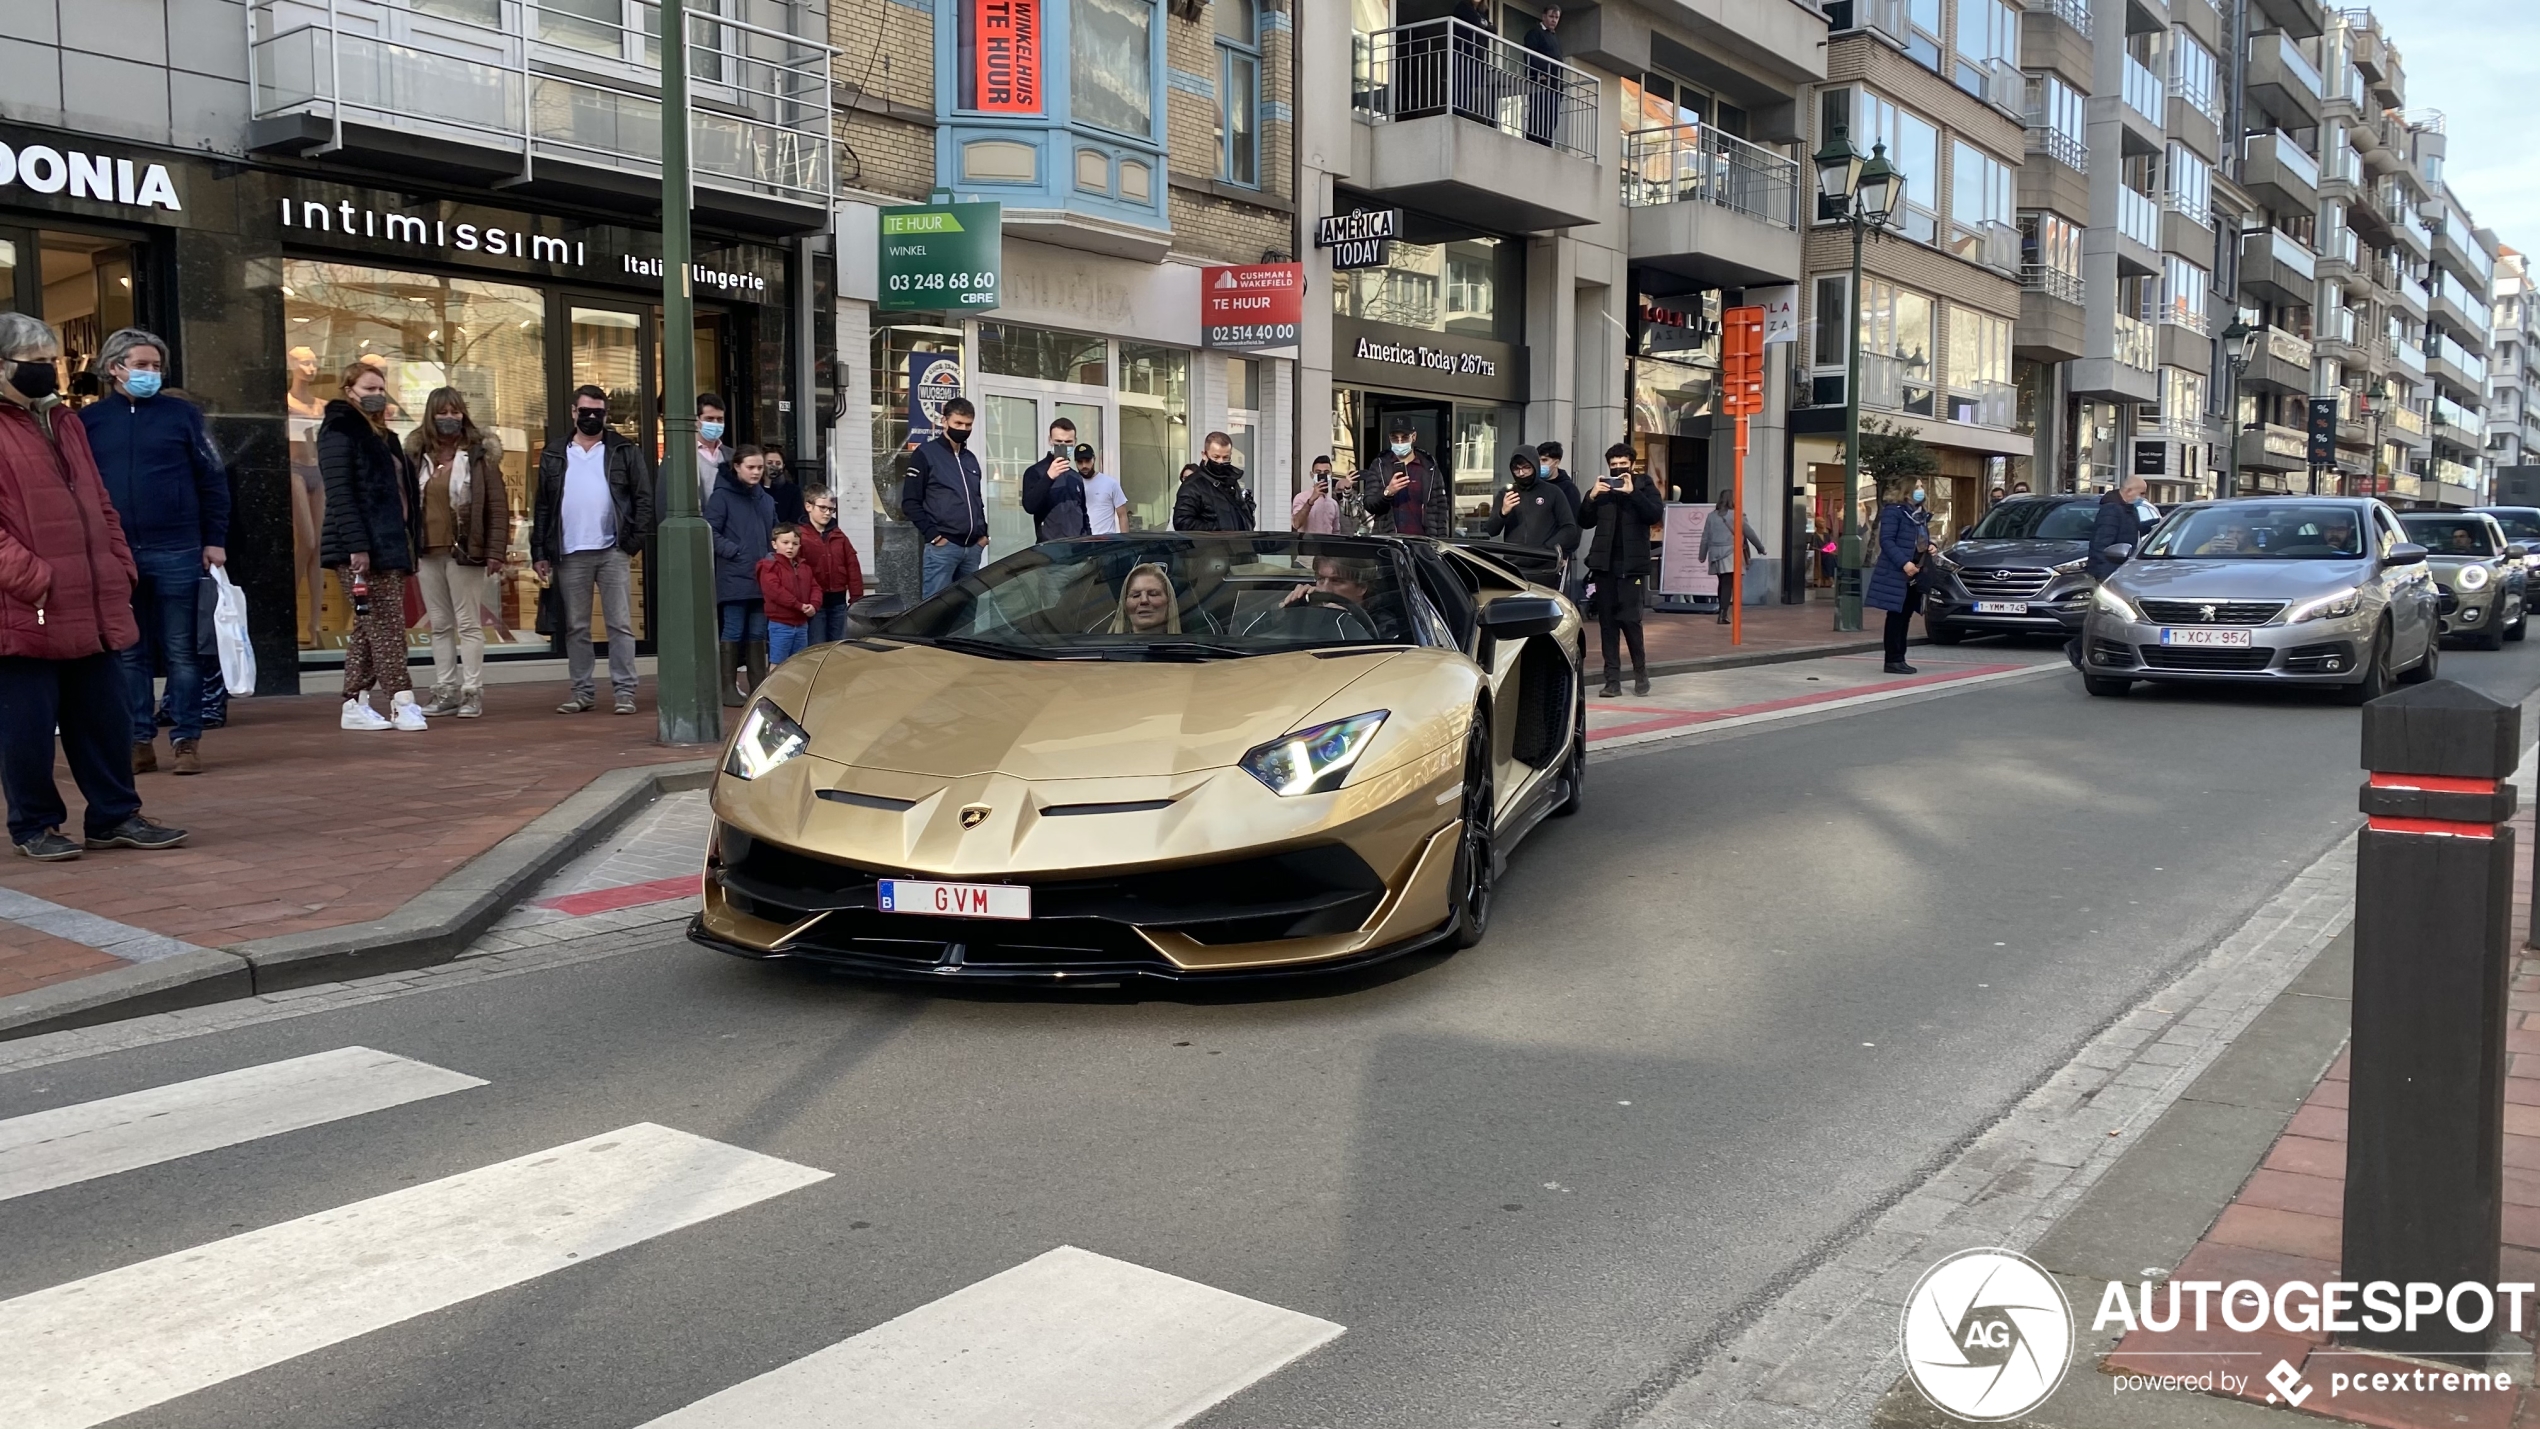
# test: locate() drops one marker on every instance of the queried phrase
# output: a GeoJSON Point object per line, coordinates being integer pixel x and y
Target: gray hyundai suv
{"type": "Point", "coordinates": [2019, 571]}
{"type": "Point", "coordinates": [2314, 590]}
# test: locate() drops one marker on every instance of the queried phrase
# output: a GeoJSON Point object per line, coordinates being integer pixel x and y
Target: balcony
{"type": "Point", "coordinates": [2412, 298]}
{"type": "Point", "coordinates": [1898, 384]}
{"type": "Point", "coordinates": [1885, 18]}
{"type": "Point", "coordinates": [1474, 129]}
{"type": "Point", "coordinates": [548, 99]}
{"type": "Point", "coordinates": [2458, 312]}
{"type": "Point", "coordinates": [2269, 447]}
{"type": "Point", "coordinates": [2139, 222]}
{"type": "Point", "coordinates": [2146, 98]}
{"type": "Point", "coordinates": [1712, 207]}
{"type": "Point", "coordinates": [2075, 13]}
{"type": "Point", "coordinates": [2136, 345]}
{"type": "Point", "coordinates": [1983, 404]}
{"type": "Point", "coordinates": [2277, 265]}
{"type": "Point", "coordinates": [2303, 19]}
{"type": "Point", "coordinates": [2406, 426]}
{"type": "Point", "coordinates": [2339, 253]}
{"type": "Point", "coordinates": [1995, 81]}
{"type": "Point", "coordinates": [2275, 169]}
{"type": "Point", "coordinates": [1994, 245]}
{"type": "Point", "coordinates": [2283, 81]}
{"type": "Point", "coordinates": [2282, 362]}
{"type": "Point", "coordinates": [2410, 356]}
{"type": "Point", "coordinates": [2051, 327]}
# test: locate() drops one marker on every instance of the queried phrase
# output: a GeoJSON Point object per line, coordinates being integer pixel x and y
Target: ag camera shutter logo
{"type": "Point", "coordinates": [1986, 1335]}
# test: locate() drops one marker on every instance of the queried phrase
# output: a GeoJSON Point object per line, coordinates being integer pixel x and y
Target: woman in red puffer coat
{"type": "Point", "coordinates": [66, 581]}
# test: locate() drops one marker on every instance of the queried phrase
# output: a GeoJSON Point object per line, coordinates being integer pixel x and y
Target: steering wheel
{"type": "Point", "coordinates": [1333, 598]}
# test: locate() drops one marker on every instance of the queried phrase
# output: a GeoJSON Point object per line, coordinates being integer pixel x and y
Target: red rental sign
{"type": "Point", "coordinates": [1009, 55]}
{"type": "Point", "coordinates": [1252, 306]}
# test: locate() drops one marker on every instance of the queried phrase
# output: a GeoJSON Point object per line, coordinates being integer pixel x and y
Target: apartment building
{"type": "Point", "coordinates": [460, 193]}
{"type": "Point", "coordinates": [1129, 145]}
{"type": "Point", "coordinates": [2513, 423]}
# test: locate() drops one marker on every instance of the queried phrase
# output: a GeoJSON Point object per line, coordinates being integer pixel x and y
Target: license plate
{"type": "Point", "coordinates": [956, 900]}
{"type": "Point", "coordinates": [2001, 607]}
{"type": "Point", "coordinates": [2229, 639]}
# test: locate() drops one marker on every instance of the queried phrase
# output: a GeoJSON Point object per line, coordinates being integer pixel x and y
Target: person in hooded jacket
{"type": "Point", "coordinates": [1533, 512]}
{"type": "Point", "coordinates": [1214, 498]}
{"type": "Point", "coordinates": [372, 507]}
{"type": "Point", "coordinates": [1620, 511]}
{"type": "Point", "coordinates": [66, 581]}
{"type": "Point", "coordinates": [743, 516]}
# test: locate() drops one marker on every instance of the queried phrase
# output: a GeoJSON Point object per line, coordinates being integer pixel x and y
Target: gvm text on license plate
{"type": "Point", "coordinates": [956, 900]}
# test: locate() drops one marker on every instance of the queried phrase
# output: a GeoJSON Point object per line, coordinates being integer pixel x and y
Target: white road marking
{"type": "Point", "coordinates": [71, 1144]}
{"type": "Point", "coordinates": [1068, 1338]}
{"type": "Point", "coordinates": [1846, 704]}
{"type": "Point", "coordinates": [92, 1350]}
{"type": "Point", "coordinates": [123, 940]}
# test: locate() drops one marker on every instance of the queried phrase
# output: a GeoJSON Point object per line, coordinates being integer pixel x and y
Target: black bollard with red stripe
{"type": "Point", "coordinates": [2433, 888]}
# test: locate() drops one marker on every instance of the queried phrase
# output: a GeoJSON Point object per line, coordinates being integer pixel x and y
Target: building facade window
{"type": "Point", "coordinates": [1662, 101]}
{"type": "Point", "coordinates": [1897, 348]}
{"type": "Point", "coordinates": [1988, 40]}
{"type": "Point", "coordinates": [1980, 213]}
{"type": "Point", "coordinates": [2058, 117]}
{"type": "Point", "coordinates": [1913, 146]}
{"type": "Point", "coordinates": [2190, 183]}
{"type": "Point", "coordinates": [1238, 90]}
{"type": "Point", "coordinates": [2050, 255]}
{"type": "Point", "coordinates": [1111, 65]}
{"type": "Point", "coordinates": [2185, 290]}
{"type": "Point", "coordinates": [1979, 368]}
{"type": "Point", "coordinates": [2194, 75]}
{"type": "Point", "coordinates": [1922, 39]}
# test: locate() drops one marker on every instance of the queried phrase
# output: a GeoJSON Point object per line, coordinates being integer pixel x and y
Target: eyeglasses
{"type": "Point", "coordinates": [824, 506]}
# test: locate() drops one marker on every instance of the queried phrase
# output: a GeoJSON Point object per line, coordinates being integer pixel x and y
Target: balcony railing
{"type": "Point", "coordinates": [551, 82]}
{"type": "Point", "coordinates": [2138, 217]}
{"type": "Point", "coordinates": [1887, 17]}
{"type": "Point", "coordinates": [2144, 92]}
{"type": "Point", "coordinates": [2287, 153]}
{"type": "Point", "coordinates": [2281, 441]}
{"type": "Point", "coordinates": [2136, 345]}
{"type": "Point", "coordinates": [1983, 404]}
{"type": "Point", "coordinates": [1449, 67]}
{"type": "Point", "coordinates": [2052, 281]}
{"type": "Point", "coordinates": [2406, 419]}
{"type": "Point", "coordinates": [2196, 207]}
{"type": "Point", "coordinates": [2075, 13]}
{"type": "Point", "coordinates": [2285, 347]}
{"type": "Point", "coordinates": [2340, 245]}
{"type": "Point", "coordinates": [1995, 245]}
{"type": "Point", "coordinates": [2338, 325]}
{"type": "Point", "coordinates": [2410, 288]}
{"type": "Point", "coordinates": [2055, 144]}
{"type": "Point", "coordinates": [2179, 313]}
{"type": "Point", "coordinates": [2410, 357]}
{"type": "Point", "coordinates": [2288, 250]}
{"type": "Point", "coordinates": [1897, 384]}
{"type": "Point", "coordinates": [2452, 473]}
{"type": "Point", "coordinates": [2299, 65]}
{"type": "Point", "coordinates": [1697, 163]}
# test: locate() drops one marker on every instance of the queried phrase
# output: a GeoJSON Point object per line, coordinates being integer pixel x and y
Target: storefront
{"type": "Point", "coordinates": [270, 283]}
{"type": "Point", "coordinates": [1675, 374]}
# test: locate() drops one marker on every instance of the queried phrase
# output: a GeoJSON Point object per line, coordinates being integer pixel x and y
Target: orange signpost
{"type": "Point", "coordinates": [1741, 396]}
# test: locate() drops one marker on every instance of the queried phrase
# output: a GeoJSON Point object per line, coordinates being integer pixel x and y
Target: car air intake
{"type": "Point", "coordinates": [2182, 657]}
{"type": "Point", "coordinates": [2211, 612]}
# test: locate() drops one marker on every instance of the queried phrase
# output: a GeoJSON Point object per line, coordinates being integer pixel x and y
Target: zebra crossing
{"type": "Point", "coordinates": [1068, 1336]}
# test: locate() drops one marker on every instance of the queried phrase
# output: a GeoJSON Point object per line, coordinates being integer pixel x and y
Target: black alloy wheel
{"type": "Point", "coordinates": [2424, 669]}
{"type": "Point", "coordinates": [1574, 772]}
{"type": "Point", "coordinates": [1476, 848]}
{"type": "Point", "coordinates": [2376, 680]}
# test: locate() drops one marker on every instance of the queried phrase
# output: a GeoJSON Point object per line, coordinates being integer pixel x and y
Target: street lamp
{"type": "Point", "coordinates": [1861, 196]}
{"type": "Point", "coordinates": [689, 705]}
{"type": "Point", "coordinates": [2240, 346]}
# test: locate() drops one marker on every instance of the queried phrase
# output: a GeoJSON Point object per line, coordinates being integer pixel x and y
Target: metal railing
{"type": "Point", "coordinates": [2410, 357]}
{"type": "Point", "coordinates": [2299, 65]}
{"type": "Point", "coordinates": [2288, 250]}
{"type": "Point", "coordinates": [2286, 347]}
{"type": "Point", "coordinates": [2337, 325]}
{"type": "Point", "coordinates": [2052, 281]}
{"type": "Point", "coordinates": [1887, 17]}
{"type": "Point", "coordinates": [2055, 144]}
{"type": "Point", "coordinates": [550, 82]}
{"type": "Point", "coordinates": [2197, 206]}
{"type": "Point", "coordinates": [1897, 384]}
{"type": "Point", "coordinates": [1697, 163]}
{"type": "Point", "coordinates": [2406, 419]}
{"type": "Point", "coordinates": [2137, 346]}
{"type": "Point", "coordinates": [1449, 67]}
{"type": "Point", "coordinates": [2190, 316]}
{"type": "Point", "coordinates": [1983, 404]}
{"type": "Point", "coordinates": [1994, 244]}
{"type": "Point", "coordinates": [2138, 216]}
{"type": "Point", "coordinates": [2075, 13]}
{"type": "Point", "coordinates": [2412, 290]}
{"type": "Point", "coordinates": [2144, 92]}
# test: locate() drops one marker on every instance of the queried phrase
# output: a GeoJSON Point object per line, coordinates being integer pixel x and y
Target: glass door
{"type": "Point", "coordinates": [1013, 435]}
{"type": "Point", "coordinates": [614, 348]}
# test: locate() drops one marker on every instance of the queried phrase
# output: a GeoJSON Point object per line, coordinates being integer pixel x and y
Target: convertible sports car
{"type": "Point", "coordinates": [1163, 756]}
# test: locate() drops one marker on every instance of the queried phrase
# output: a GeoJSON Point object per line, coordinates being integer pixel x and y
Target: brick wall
{"type": "Point", "coordinates": [885, 65]}
{"type": "Point", "coordinates": [1211, 220]}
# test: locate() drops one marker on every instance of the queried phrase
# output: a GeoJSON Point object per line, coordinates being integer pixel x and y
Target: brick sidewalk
{"type": "Point", "coordinates": [298, 825]}
{"type": "Point", "coordinates": [1767, 628]}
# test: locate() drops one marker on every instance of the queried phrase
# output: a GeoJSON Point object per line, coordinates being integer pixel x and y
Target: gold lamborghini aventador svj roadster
{"type": "Point", "coordinates": [1172, 756]}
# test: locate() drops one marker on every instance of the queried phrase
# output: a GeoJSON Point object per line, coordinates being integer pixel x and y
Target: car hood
{"type": "Point", "coordinates": [2209, 579]}
{"type": "Point", "coordinates": [1978, 554]}
{"type": "Point", "coordinates": [917, 710]}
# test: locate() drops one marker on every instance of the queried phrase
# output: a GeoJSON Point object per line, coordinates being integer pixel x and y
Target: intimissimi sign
{"type": "Point", "coordinates": [513, 242]}
{"type": "Point", "coordinates": [344, 220]}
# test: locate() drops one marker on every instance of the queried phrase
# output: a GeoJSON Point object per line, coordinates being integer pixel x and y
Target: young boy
{"type": "Point", "coordinates": [791, 587]}
{"type": "Point", "coordinates": [841, 574]}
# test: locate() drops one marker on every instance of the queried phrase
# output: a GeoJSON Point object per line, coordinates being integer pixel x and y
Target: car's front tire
{"type": "Point", "coordinates": [2376, 681]}
{"type": "Point", "coordinates": [1476, 846]}
{"type": "Point", "coordinates": [1943, 633]}
{"type": "Point", "coordinates": [2425, 669]}
{"type": "Point", "coordinates": [2106, 686]}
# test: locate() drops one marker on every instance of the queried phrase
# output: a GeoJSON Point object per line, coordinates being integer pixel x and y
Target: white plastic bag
{"type": "Point", "coordinates": [229, 627]}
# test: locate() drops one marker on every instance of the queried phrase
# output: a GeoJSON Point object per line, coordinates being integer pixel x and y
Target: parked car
{"type": "Point", "coordinates": [2481, 573]}
{"type": "Point", "coordinates": [2019, 571]}
{"type": "Point", "coordinates": [2290, 590]}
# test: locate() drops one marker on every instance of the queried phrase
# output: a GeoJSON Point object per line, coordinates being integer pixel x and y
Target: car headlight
{"type": "Point", "coordinates": [767, 739]}
{"type": "Point", "coordinates": [1944, 560]}
{"type": "Point", "coordinates": [2114, 604]}
{"type": "Point", "coordinates": [2328, 607]}
{"type": "Point", "coordinates": [2470, 578]}
{"type": "Point", "coordinates": [1314, 761]}
{"type": "Point", "coordinates": [2074, 566]}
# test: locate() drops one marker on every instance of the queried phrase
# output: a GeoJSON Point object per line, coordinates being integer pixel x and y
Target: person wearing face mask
{"type": "Point", "coordinates": [1404, 492]}
{"type": "Point", "coordinates": [743, 517]}
{"type": "Point", "coordinates": [941, 497]}
{"type": "Point", "coordinates": [1719, 551]}
{"type": "Point", "coordinates": [66, 581]}
{"type": "Point", "coordinates": [592, 513]}
{"type": "Point", "coordinates": [1053, 494]}
{"type": "Point", "coordinates": [371, 510]}
{"type": "Point", "coordinates": [172, 493]}
{"type": "Point", "coordinates": [1533, 512]}
{"type": "Point", "coordinates": [1214, 499]}
{"type": "Point", "coordinates": [711, 452]}
{"type": "Point", "coordinates": [466, 526]}
{"type": "Point", "coordinates": [1904, 544]}
{"type": "Point", "coordinates": [1620, 512]}
{"type": "Point", "coordinates": [782, 488]}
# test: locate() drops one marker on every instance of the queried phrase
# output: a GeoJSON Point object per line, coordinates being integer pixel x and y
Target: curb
{"type": "Point", "coordinates": [434, 926]}
{"type": "Point", "coordinates": [1784, 656]}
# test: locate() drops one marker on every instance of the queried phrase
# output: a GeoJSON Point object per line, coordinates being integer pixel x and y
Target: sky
{"type": "Point", "coordinates": [2479, 62]}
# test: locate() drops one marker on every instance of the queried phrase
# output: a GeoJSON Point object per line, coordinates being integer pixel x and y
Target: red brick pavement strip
{"type": "Point", "coordinates": [2285, 1225]}
{"type": "Point", "coordinates": [298, 825]}
{"type": "Point", "coordinates": [1771, 631]}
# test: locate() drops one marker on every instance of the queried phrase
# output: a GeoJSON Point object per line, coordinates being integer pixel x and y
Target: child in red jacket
{"type": "Point", "coordinates": [841, 574]}
{"type": "Point", "coordinates": [791, 587]}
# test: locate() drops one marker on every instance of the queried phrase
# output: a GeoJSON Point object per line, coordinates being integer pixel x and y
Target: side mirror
{"type": "Point", "coordinates": [2406, 553]}
{"type": "Point", "coordinates": [2518, 551]}
{"type": "Point", "coordinates": [869, 615]}
{"type": "Point", "coordinates": [2121, 551]}
{"type": "Point", "coordinates": [1520, 617]}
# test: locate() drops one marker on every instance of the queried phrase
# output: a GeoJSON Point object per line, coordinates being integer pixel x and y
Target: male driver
{"type": "Point", "coordinates": [173, 496]}
{"type": "Point", "coordinates": [941, 497]}
{"type": "Point", "coordinates": [1405, 491]}
{"type": "Point", "coordinates": [594, 508]}
{"type": "Point", "coordinates": [711, 451]}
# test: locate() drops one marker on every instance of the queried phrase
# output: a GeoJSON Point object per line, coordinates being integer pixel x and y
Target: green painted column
{"type": "Point", "coordinates": [691, 706]}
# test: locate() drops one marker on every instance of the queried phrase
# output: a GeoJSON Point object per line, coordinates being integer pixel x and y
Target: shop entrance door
{"type": "Point", "coordinates": [615, 347]}
{"type": "Point", "coordinates": [85, 285]}
{"type": "Point", "coordinates": [1014, 419]}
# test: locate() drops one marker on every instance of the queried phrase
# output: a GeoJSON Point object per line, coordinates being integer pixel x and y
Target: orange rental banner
{"type": "Point", "coordinates": [1009, 51]}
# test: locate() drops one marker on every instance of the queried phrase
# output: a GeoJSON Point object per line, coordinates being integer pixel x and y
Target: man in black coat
{"type": "Point", "coordinates": [1043, 479]}
{"type": "Point", "coordinates": [1543, 76]}
{"type": "Point", "coordinates": [1406, 491]}
{"type": "Point", "coordinates": [1213, 498]}
{"type": "Point", "coordinates": [1619, 513]}
{"type": "Point", "coordinates": [1533, 512]}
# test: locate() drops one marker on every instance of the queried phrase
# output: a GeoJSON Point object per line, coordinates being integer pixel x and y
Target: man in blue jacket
{"type": "Point", "coordinates": [172, 493]}
{"type": "Point", "coordinates": [942, 498]}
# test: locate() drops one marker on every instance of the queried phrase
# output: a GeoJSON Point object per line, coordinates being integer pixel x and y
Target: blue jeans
{"type": "Point", "coordinates": [831, 623]}
{"type": "Point", "coordinates": [946, 564]}
{"type": "Point", "coordinates": [166, 605]}
{"type": "Point", "coordinates": [742, 619]}
{"type": "Point", "coordinates": [784, 642]}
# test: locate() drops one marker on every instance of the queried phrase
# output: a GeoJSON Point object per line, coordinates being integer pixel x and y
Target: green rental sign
{"type": "Point", "coordinates": [941, 256]}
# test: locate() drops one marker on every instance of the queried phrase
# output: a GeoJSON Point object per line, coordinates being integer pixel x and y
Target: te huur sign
{"type": "Point", "coordinates": [941, 257]}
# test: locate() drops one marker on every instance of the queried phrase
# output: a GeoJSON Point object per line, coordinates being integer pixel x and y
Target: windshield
{"type": "Point", "coordinates": [1165, 597]}
{"type": "Point", "coordinates": [2261, 531]}
{"type": "Point", "coordinates": [2523, 525]}
{"type": "Point", "coordinates": [2037, 521]}
{"type": "Point", "coordinates": [2452, 535]}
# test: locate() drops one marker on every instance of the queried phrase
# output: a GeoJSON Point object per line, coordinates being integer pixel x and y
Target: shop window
{"type": "Point", "coordinates": [84, 289]}
{"type": "Point", "coordinates": [1155, 429]}
{"type": "Point", "coordinates": [1012, 350]}
{"type": "Point", "coordinates": [421, 331]}
{"type": "Point", "coordinates": [1112, 65]}
{"type": "Point", "coordinates": [1441, 287]}
{"type": "Point", "coordinates": [900, 351]}
{"type": "Point", "coordinates": [8, 276]}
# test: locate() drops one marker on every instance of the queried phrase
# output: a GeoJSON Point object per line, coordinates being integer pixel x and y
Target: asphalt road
{"type": "Point", "coordinates": [1720, 1017]}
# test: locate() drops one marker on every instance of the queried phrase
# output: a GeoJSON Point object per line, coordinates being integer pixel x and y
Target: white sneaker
{"type": "Point", "coordinates": [404, 713]}
{"type": "Point", "coordinates": [359, 715]}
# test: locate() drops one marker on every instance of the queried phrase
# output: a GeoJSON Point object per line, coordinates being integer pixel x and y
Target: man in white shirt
{"type": "Point", "coordinates": [1106, 505]}
{"type": "Point", "coordinates": [593, 509]}
{"type": "Point", "coordinates": [711, 451]}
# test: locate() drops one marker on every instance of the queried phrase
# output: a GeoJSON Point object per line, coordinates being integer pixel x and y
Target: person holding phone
{"type": "Point", "coordinates": [1620, 512]}
{"type": "Point", "coordinates": [1315, 512]}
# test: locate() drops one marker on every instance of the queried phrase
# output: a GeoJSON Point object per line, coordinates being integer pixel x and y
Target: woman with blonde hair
{"type": "Point", "coordinates": [459, 545]}
{"type": "Point", "coordinates": [371, 510]}
{"type": "Point", "coordinates": [1146, 603]}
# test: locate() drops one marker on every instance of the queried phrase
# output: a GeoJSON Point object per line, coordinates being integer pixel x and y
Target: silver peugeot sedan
{"type": "Point", "coordinates": [2317, 590]}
